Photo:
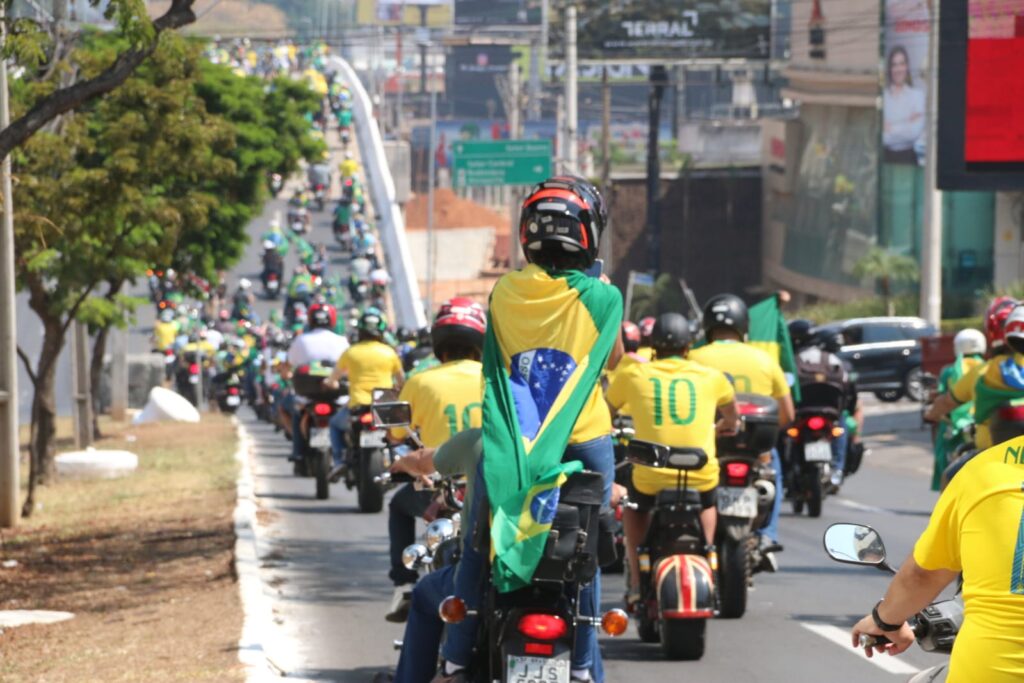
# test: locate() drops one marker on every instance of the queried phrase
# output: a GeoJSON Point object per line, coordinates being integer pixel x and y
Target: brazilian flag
{"type": "Point", "coordinates": [543, 355]}
{"type": "Point", "coordinates": [768, 331]}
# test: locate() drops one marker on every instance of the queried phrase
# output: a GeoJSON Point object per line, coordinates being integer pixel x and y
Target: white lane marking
{"type": "Point", "coordinates": [841, 638]}
{"type": "Point", "coordinates": [854, 505]}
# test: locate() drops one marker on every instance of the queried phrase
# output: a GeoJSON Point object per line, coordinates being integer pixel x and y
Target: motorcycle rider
{"type": "Point", "coordinates": [560, 231]}
{"type": "Point", "coordinates": [445, 400]}
{"type": "Point", "coordinates": [300, 289]}
{"type": "Point", "coordinates": [319, 344]}
{"type": "Point", "coordinates": [369, 364]}
{"type": "Point", "coordinates": [646, 326]}
{"type": "Point", "coordinates": [969, 346]}
{"type": "Point", "coordinates": [656, 392]}
{"type": "Point", "coordinates": [752, 371]}
{"type": "Point", "coordinates": [975, 532]}
{"type": "Point", "coordinates": [243, 300]}
{"type": "Point", "coordinates": [165, 331]}
{"type": "Point", "coordinates": [349, 167]}
{"type": "Point", "coordinates": [273, 262]}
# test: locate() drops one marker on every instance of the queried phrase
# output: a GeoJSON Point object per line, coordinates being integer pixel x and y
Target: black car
{"type": "Point", "coordinates": [885, 354]}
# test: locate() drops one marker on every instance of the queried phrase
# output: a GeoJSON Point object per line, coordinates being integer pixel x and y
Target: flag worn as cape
{"type": "Point", "coordinates": [768, 331]}
{"type": "Point", "coordinates": [543, 356]}
{"type": "Point", "coordinates": [987, 399]}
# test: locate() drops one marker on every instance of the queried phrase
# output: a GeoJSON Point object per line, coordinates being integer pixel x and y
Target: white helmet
{"type": "Point", "coordinates": [269, 245]}
{"type": "Point", "coordinates": [969, 342]}
{"type": "Point", "coordinates": [245, 283]}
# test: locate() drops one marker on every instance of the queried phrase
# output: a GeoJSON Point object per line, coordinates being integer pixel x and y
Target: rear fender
{"type": "Point", "coordinates": [686, 587]}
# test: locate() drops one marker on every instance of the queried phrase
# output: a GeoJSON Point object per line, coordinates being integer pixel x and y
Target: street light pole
{"type": "Point", "coordinates": [931, 244]}
{"type": "Point", "coordinates": [572, 146]}
{"type": "Point", "coordinates": [9, 451]}
{"type": "Point", "coordinates": [431, 179]}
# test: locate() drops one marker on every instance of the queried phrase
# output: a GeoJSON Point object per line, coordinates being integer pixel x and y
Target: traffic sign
{"type": "Point", "coordinates": [501, 162]}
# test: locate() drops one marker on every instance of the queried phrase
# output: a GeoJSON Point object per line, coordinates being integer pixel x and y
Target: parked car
{"type": "Point", "coordinates": [885, 354]}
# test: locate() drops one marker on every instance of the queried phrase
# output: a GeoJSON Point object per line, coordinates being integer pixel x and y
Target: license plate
{"type": "Point", "coordinates": [234, 400]}
{"type": "Point", "coordinates": [320, 438]}
{"type": "Point", "coordinates": [737, 502]}
{"type": "Point", "coordinates": [818, 451]}
{"type": "Point", "coordinates": [373, 439]}
{"type": "Point", "coordinates": [537, 670]}
{"type": "Point", "coordinates": [168, 360]}
{"type": "Point", "coordinates": [193, 379]}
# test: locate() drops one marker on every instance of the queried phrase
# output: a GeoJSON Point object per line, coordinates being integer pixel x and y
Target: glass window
{"type": "Point", "coordinates": [883, 332]}
{"type": "Point", "coordinates": [917, 331]}
{"type": "Point", "coordinates": [853, 335]}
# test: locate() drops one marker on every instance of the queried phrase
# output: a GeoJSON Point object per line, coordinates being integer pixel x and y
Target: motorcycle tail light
{"type": "Point", "coordinates": [542, 649]}
{"type": "Point", "coordinates": [322, 409]}
{"type": "Point", "coordinates": [736, 473]}
{"type": "Point", "coordinates": [750, 409]}
{"type": "Point", "coordinates": [233, 391]}
{"type": "Point", "coordinates": [273, 276]}
{"type": "Point", "coordinates": [1011, 413]}
{"type": "Point", "coordinates": [366, 419]}
{"type": "Point", "coordinates": [193, 369]}
{"type": "Point", "coordinates": [543, 626]}
{"type": "Point", "coordinates": [793, 432]}
{"type": "Point", "coordinates": [168, 352]}
{"type": "Point", "coordinates": [815, 423]}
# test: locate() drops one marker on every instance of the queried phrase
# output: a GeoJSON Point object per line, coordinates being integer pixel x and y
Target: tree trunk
{"type": "Point", "coordinates": [44, 411]}
{"type": "Point", "coordinates": [99, 349]}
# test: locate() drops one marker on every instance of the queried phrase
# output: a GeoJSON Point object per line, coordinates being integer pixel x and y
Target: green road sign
{"type": "Point", "coordinates": [502, 162]}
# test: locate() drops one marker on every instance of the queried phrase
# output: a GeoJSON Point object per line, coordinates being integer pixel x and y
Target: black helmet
{"type": "Point", "coordinates": [560, 224]}
{"type": "Point", "coordinates": [800, 333]}
{"type": "Point", "coordinates": [671, 332]}
{"type": "Point", "coordinates": [727, 311]}
{"type": "Point", "coordinates": [830, 341]}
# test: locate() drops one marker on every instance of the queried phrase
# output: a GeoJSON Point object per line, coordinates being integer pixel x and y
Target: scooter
{"type": "Point", "coordinates": [935, 627]}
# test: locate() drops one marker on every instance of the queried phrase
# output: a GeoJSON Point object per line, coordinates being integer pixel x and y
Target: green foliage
{"type": "Point", "coordinates": [664, 297]}
{"type": "Point", "coordinates": [882, 264]}
{"type": "Point", "coordinates": [862, 308]}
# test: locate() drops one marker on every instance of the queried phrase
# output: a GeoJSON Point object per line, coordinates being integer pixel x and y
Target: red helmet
{"type": "Point", "coordinates": [1013, 330]}
{"type": "Point", "coordinates": [459, 321]}
{"type": "Point", "coordinates": [322, 316]}
{"type": "Point", "coordinates": [560, 217]}
{"type": "Point", "coordinates": [646, 328]}
{"type": "Point", "coordinates": [630, 336]}
{"type": "Point", "coordinates": [995, 318]}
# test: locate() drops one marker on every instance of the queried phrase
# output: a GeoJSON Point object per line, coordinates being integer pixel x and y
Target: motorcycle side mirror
{"type": "Point", "coordinates": [381, 395]}
{"type": "Point", "coordinates": [855, 544]}
{"type": "Point", "coordinates": [389, 415]}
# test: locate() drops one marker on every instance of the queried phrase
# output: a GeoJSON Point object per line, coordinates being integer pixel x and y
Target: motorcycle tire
{"type": "Point", "coordinates": [322, 470]}
{"type": "Point", "coordinates": [683, 639]}
{"type": "Point", "coordinates": [370, 493]}
{"type": "Point", "coordinates": [815, 494]}
{"type": "Point", "coordinates": [733, 578]}
{"type": "Point", "coordinates": [320, 205]}
{"type": "Point", "coordinates": [300, 469]}
{"type": "Point", "coordinates": [647, 629]}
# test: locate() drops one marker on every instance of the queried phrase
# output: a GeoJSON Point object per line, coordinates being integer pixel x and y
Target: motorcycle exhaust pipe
{"type": "Point", "coordinates": [765, 492]}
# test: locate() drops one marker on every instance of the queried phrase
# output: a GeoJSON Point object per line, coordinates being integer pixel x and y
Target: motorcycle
{"type": "Point", "coordinates": [320, 407]}
{"type": "Point", "coordinates": [319, 196]}
{"type": "Point", "coordinates": [189, 380]}
{"type": "Point", "coordinates": [808, 446]}
{"type": "Point", "coordinates": [746, 494]}
{"type": "Point", "coordinates": [276, 183]}
{"type": "Point", "coordinates": [170, 362]}
{"type": "Point", "coordinates": [677, 567]}
{"type": "Point", "coordinates": [529, 634]}
{"type": "Point", "coordinates": [366, 455]}
{"type": "Point", "coordinates": [227, 391]}
{"type": "Point", "coordinates": [342, 225]}
{"type": "Point", "coordinates": [272, 285]}
{"type": "Point", "coordinates": [935, 627]}
{"type": "Point", "coordinates": [1006, 422]}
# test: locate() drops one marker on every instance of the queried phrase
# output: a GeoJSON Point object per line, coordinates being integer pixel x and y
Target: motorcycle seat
{"type": "Point", "coordinates": [670, 497]}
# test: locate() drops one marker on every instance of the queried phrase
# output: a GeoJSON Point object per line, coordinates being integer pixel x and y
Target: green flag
{"type": "Point", "coordinates": [768, 331]}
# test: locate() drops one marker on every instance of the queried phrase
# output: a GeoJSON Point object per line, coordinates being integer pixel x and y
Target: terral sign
{"type": "Point", "coordinates": [667, 30]}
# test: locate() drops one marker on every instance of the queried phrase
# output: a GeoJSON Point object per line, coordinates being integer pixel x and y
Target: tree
{"type": "Point", "coordinates": [886, 268]}
{"type": "Point", "coordinates": [665, 296]}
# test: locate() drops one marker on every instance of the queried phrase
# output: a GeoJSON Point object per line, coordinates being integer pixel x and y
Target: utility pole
{"type": "Point", "coordinates": [118, 374]}
{"type": "Point", "coordinates": [931, 244]}
{"type": "Point", "coordinates": [606, 162]}
{"type": "Point", "coordinates": [539, 63]}
{"type": "Point", "coordinates": [514, 133]}
{"type": "Point", "coordinates": [9, 449]}
{"type": "Point", "coordinates": [659, 77]}
{"type": "Point", "coordinates": [560, 143]}
{"type": "Point", "coordinates": [423, 48]}
{"type": "Point", "coordinates": [431, 179]}
{"type": "Point", "coordinates": [82, 404]}
{"type": "Point", "coordinates": [571, 93]}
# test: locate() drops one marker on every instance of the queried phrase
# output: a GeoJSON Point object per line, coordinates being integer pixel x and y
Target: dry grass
{"type": "Point", "coordinates": [145, 563]}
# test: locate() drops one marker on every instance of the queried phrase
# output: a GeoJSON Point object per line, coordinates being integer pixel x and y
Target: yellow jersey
{"type": "Point", "coordinates": [164, 334]}
{"type": "Point", "coordinates": [751, 370]}
{"type": "Point", "coordinates": [674, 403]}
{"type": "Point", "coordinates": [369, 365]}
{"type": "Point", "coordinates": [445, 400]}
{"type": "Point", "coordinates": [965, 390]}
{"type": "Point", "coordinates": [626, 362]}
{"type": "Point", "coordinates": [348, 168]}
{"type": "Point", "coordinates": [977, 528]}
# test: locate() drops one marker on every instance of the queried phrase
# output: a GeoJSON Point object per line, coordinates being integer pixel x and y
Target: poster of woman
{"type": "Point", "coordinates": [905, 94]}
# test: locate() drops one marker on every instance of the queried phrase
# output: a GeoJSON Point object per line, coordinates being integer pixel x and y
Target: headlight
{"type": "Point", "coordinates": [412, 555]}
{"type": "Point", "coordinates": [438, 531]}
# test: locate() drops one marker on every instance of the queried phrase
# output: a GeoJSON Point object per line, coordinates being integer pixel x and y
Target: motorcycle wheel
{"type": "Point", "coordinates": [733, 577]}
{"type": "Point", "coordinates": [300, 468]}
{"type": "Point", "coordinates": [815, 494]}
{"type": "Point", "coordinates": [889, 395]}
{"type": "Point", "coordinates": [683, 639]}
{"type": "Point", "coordinates": [320, 205]}
{"type": "Point", "coordinates": [322, 470]}
{"type": "Point", "coordinates": [647, 629]}
{"type": "Point", "coordinates": [371, 494]}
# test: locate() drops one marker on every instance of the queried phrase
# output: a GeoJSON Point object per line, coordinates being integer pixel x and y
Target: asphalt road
{"type": "Point", "coordinates": [325, 566]}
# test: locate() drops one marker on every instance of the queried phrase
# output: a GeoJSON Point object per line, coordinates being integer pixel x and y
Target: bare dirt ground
{"type": "Point", "coordinates": [144, 562]}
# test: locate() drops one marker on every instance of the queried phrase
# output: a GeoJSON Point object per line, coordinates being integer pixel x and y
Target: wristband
{"type": "Point", "coordinates": [888, 628]}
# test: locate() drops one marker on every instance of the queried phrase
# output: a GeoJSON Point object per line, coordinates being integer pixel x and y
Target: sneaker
{"type": "Point", "coordinates": [765, 558]}
{"type": "Point", "coordinates": [337, 472]}
{"type": "Point", "coordinates": [401, 602]}
{"type": "Point", "coordinates": [459, 676]}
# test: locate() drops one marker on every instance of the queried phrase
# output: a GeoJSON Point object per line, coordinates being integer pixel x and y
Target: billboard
{"type": "Point", "coordinates": [981, 127]}
{"type": "Point", "coordinates": [668, 30]}
{"type": "Point", "coordinates": [905, 89]}
{"type": "Point", "coordinates": [471, 70]}
{"type": "Point", "coordinates": [497, 12]}
{"type": "Point", "coordinates": [403, 12]}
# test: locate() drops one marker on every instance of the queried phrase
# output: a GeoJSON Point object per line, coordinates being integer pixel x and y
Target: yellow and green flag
{"type": "Point", "coordinates": [769, 332]}
{"type": "Point", "coordinates": [548, 337]}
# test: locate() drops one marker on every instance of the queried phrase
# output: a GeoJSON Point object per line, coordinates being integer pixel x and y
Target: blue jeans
{"type": "Point", "coordinates": [839, 446]}
{"type": "Point", "coordinates": [298, 443]}
{"type": "Point", "coordinates": [339, 425]}
{"type": "Point", "coordinates": [418, 660]}
{"type": "Point", "coordinates": [770, 530]}
{"type": "Point", "coordinates": [597, 455]}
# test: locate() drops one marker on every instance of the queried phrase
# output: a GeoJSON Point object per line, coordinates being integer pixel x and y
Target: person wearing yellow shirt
{"type": "Point", "coordinates": [349, 167]}
{"type": "Point", "coordinates": [752, 371]}
{"type": "Point", "coordinates": [368, 364]}
{"type": "Point", "coordinates": [976, 531]}
{"type": "Point", "coordinates": [445, 400]}
{"type": "Point", "coordinates": [630, 357]}
{"type": "Point", "coordinates": [646, 326]}
{"type": "Point", "coordinates": [675, 401]}
{"type": "Point", "coordinates": [165, 331]}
